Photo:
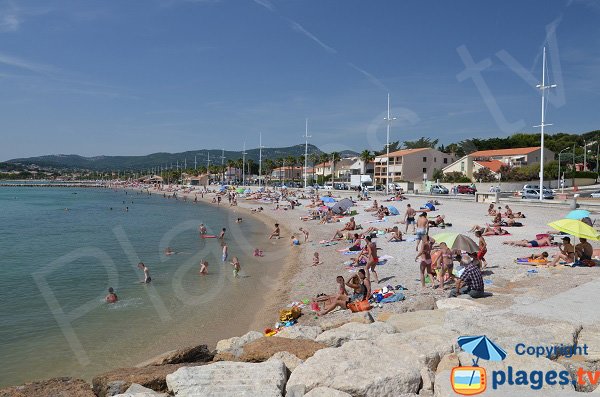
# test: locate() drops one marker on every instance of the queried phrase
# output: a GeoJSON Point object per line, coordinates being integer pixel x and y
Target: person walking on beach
{"type": "Point", "coordinates": [111, 297]}
{"type": "Point", "coordinates": [144, 268]}
{"type": "Point", "coordinates": [409, 218]}
{"type": "Point", "coordinates": [422, 227]}
{"type": "Point", "coordinates": [236, 266]}
{"type": "Point", "coordinates": [305, 232]}
{"type": "Point", "coordinates": [224, 257]}
{"type": "Point", "coordinates": [204, 267]}
{"type": "Point", "coordinates": [372, 259]}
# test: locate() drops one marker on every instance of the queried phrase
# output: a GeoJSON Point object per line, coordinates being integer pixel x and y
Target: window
{"type": "Point", "coordinates": [424, 159]}
{"type": "Point", "coordinates": [424, 170]}
{"type": "Point", "coordinates": [462, 166]}
{"type": "Point", "coordinates": [445, 160]}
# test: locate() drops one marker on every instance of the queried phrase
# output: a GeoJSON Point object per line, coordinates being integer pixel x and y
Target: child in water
{"type": "Point", "coordinates": [111, 297]}
{"type": "Point", "coordinates": [204, 267]}
{"type": "Point", "coordinates": [236, 266]}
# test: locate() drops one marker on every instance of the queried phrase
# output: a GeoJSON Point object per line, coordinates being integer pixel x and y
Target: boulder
{"type": "Point", "coordinates": [119, 380]}
{"type": "Point", "coordinates": [300, 332]}
{"type": "Point", "coordinates": [459, 304]}
{"type": "Point", "coordinates": [359, 368]}
{"type": "Point", "coordinates": [136, 390]}
{"type": "Point", "coordinates": [235, 345]}
{"type": "Point", "coordinates": [410, 321]}
{"type": "Point", "coordinates": [55, 387]}
{"type": "Point", "coordinates": [230, 379]}
{"type": "Point", "coordinates": [326, 392]}
{"type": "Point", "coordinates": [262, 349]}
{"type": "Point", "coordinates": [354, 331]}
{"type": "Point", "coordinates": [289, 360]}
{"type": "Point", "coordinates": [590, 336]}
{"type": "Point", "coordinates": [427, 380]}
{"type": "Point", "coordinates": [194, 354]}
{"type": "Point", "coordinates": [448, 362]}
{"type": "Point", "coordinates": [418, 303]}
{"type": "Point", "coordinates": [338, 319]}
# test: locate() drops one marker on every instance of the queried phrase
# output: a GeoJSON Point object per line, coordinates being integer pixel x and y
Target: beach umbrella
{"type": "Point", "coordinates": [578, 214]}
{"type": "Point", "coordinates": [393, 210]}
{"type": "Point", "coordinates": [248, 191]}
{"type": "Point", "coordinates": [481, 347]}
{"type": "Point", "coordinates": [327, 199]}
{"type": "Point", "coordinates": [457, 241]}
{"type": "Point", "coordinates": [575, 228]}
{"type": "Point", "coordinates": [342, 206]}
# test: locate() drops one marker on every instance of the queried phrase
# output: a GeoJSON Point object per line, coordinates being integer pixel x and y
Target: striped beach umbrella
{"type": "Point", "coordinates": [482, 347]}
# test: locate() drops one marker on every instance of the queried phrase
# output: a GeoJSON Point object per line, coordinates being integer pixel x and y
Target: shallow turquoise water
{"type": "Point", "coordinates": [57, 264]}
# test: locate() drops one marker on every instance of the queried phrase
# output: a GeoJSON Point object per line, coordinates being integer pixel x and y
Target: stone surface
{"type": "Point", "coordinates": [359, 368]}
{"type": "Point", "coordinates": [326, 392]}
{"type": "Point", "coordinates": [230, 379]}
{"type": "Point", "coordinates": [427, 380]}
{"type": "Point", "coordinates": [300, 332]}
{"type": "Point", "coordinates": [337, 320]}
{"type": "Point", "coordinates": [448, 362]}
{"type": "Point", "coordinates": [289, 360]}
{"type": "Point", "coordinates": [410, 321]}
{"type": "Point", "coordinates": [235, 345]}
{"type": "Point", "coordinates": [262, 349]}
{"type": "Point", "coordinates": [119, 380]}
{"type": "Point", "coordinates": [55, 387]}
{"type": "Point", "coordinates": [423, 302]}
{"type": "Point", "coordinates": [354, 331]}
{"type": "Point", "coordinates": [136, 390]}
{"type": "Point", "coordinates": [590, 336]}
{"type": "Point", "coordinates": [459, 303]}
{"type": "Point", "coordinates": [194, 354]}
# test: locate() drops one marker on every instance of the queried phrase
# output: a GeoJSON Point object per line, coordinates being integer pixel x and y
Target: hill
{"type": "Point", "coordinates": [110, 163]}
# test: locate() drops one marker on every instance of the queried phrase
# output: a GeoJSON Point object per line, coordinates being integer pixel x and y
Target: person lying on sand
{"type": "Point", "coordinates": [541, 242]}
{"type": "Point", "coordinates": [328, 300]}
{"type": "Point", "coordinates": [438, 221]}
{"type": "Point", "coordinates": [489, 230]}
{"type": "Point", "coordinates": [360, 293]}
{"type": "Point", "coordinates": [373, 208]}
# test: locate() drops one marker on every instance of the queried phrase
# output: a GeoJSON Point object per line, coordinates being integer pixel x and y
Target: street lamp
{"type": "Point", "coordinates": [559, 178]}
{"type": "Point", "coordinates": [306, 136]}
{"type": "Point", "coordinates": [389, 120]}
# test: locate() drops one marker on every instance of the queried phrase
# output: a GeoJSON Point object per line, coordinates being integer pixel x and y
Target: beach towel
{"type": "Point", "coordinates": [393, 210]}
{"type": "Point", "coordinates": [375, 221]}
{"type": "Point", "coordinates": [394, 298]}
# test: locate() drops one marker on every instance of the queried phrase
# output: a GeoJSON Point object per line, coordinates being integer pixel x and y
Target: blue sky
{"type": "Point", "coordinates": [136, 77]}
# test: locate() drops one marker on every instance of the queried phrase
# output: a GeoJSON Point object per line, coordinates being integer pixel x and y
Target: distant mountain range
{"type": "Point", "coordinates": [113, 163]}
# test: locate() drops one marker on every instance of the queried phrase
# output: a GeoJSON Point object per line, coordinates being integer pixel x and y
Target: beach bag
{"type": "Point", "coordinates": [359, 306]}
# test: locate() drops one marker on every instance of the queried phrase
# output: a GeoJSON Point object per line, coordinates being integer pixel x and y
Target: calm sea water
{"type": "Point", "coordinates": [62, 248]}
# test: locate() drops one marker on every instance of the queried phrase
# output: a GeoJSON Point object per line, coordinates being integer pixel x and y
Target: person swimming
{"type": "Point", "coordinates": [111, 297]}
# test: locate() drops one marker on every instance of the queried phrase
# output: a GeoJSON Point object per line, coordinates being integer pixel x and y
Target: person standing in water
{"type": "Point", "coordinates": [236, 266]}
{"type": "Point", "coordinates": [144, 268]}
{"type": "Point", "coordinates": [222, 234]}
{"type": "Point", "coordinates": [224, 252]}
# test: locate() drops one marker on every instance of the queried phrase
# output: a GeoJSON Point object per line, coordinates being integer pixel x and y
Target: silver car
{"type": "Point", "coordinates": [535, 194]}
{"type": "Point", "coordinates": [439, 189]}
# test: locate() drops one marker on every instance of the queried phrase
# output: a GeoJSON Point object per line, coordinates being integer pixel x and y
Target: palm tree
{"type": "Point", "coordinates": [365, 156]}
{"type": "Point", "coordinates": [324, 160]}
{"type": "Point", "coordinates": [291, 162]}
{"type": "Point", "coordinates": [314, 159]}
{"type": "Point", "coordinates": [335, 158]}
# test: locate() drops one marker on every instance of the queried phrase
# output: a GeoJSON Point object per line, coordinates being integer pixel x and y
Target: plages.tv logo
{"type": "Point", "coordinates": [471, 380]}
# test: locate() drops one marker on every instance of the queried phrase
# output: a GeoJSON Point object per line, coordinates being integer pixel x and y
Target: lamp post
{"type": "Point", "coordinates": [584, 155]}
{"type": "Point", "coordinates": [559, 178]}
{"type": "Point", "coordinates": [543, 87]}
{"type": "Point", "coordinates": [260, 147]}
{"type": "Point", "coordinates": [388, 119]}
{"type": "Point", "coordinates": [244, 164]}
{"type": "Point", "coordinates": [306, 136]}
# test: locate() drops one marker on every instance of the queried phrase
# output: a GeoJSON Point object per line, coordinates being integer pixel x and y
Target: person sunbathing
{"type": "Point", "coordinates": [357, 283]}
{"type": "Point", "coordinates": [438, 221]}
{"type": "Point", "coordinates": [349, 226]}
{"type": "Point", "coordinates": [489, 230]}
{"type": "Point", "coordinates": [566, 252]}
{"type": "Point", "coordinates": [491, 210]}
{"type": "Point", "coordinates": [328, 300]}
{"type": "Point", "coordinates": [374, 207]}
{"type": "Point", "coordinates": [396, 235]}
{"type": "Point", "coordinates": [540, 242]}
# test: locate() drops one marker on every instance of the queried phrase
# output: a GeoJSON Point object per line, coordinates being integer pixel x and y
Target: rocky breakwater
{"type": "Point", "coordinates": [396, 354]}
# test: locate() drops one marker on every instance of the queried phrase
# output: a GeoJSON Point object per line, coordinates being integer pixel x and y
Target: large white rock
{"type": "Point", "coordinates": [236, 344]}
{"type": "Point", "coordinates": [290, 360]}
{"type": "Point", "coordinates": [136, 390]}
{"type": "Point", "coordinates": [326, 392]}
{"type": "Point", "coordinates": [461, 303]}
{"type": "Point", "coordinates": [229, 379]}
{"type": "Point", "coordinates": [300, 332]}
{"type": "Point", "coordinates": [590, 336]}
{"type": "Point", "coordinates": [337, 319]}
{"type": "Point", "coordinates": [354, 331]}
{"type": "Point", "coordinates": [410, 321]}
{"type": "Point", "coordinates": [359, 368]}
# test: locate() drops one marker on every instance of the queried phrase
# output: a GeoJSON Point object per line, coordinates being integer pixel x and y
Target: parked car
{"type": "Point", "coordinates": [596, 194]}
{"type": "Point", "coordinates": [535, 194]}
{"type": "Point", "coordinates": [465, 189]}
{"type": "Point", "coordinates": [438, 189]}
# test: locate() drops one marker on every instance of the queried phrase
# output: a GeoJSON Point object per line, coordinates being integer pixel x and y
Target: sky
{"type": "Point", "coordinates": [136, 77]}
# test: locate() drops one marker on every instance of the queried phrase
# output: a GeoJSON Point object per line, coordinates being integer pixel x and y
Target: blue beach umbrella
{"type": "Point", "coordinates": [327, 199]}
{"type": "Point", "coordinates": [578, 214]}
{"type": "Point", "coordinates": [481, 347]}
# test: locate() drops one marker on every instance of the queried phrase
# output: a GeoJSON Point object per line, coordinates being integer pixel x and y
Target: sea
{"type": "Point", "coordinates": [62, 248]}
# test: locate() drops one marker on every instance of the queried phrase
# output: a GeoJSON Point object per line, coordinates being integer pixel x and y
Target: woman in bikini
{"type": "Point", "coordinates": [373, 259]}
{"type": "Point", "coordinates": [424, 255]}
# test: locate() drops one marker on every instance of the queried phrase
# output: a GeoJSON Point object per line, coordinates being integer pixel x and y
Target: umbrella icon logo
{"type": "Point", "coordinates": [471, 380]}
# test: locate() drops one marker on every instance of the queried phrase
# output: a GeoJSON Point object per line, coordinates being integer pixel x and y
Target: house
{"type": "Point", "coordinates": [411, 165]}
{"type": "Point", "coordinates": [494, 159]}
{"type": "Point", "coordinates": [283, 173]}
{"type": "Point", "coordinates": [323, 168]}
{"type": "Point", "coordinates": [192, 180]}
